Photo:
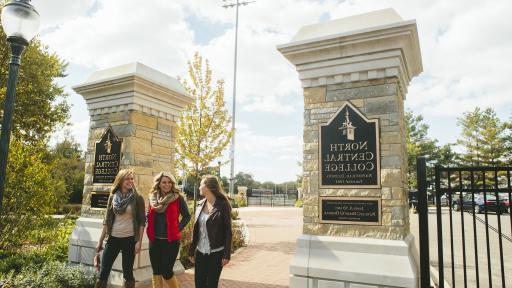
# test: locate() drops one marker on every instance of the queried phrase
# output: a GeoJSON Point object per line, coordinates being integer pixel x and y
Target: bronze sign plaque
{"type": "Point", "coordinates": [350, 210]}
{"type": "Point", "coordinates": [99, 200]}
{"type": "Point", "coordinates": [107, 158]}
{"type": "Point", "coordinates": [349, 150]}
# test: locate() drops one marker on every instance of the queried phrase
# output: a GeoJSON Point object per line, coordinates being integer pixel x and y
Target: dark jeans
{"type": "Point", "coordinates": [126, 246]}
{"type": "Point", "coordinates": [207, 269]}
{"type": "Point", "coordinates": [162, 255]}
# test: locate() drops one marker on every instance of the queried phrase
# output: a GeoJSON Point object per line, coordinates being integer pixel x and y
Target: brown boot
{"type": "Point", "coordinates": [158, 281]}
{"type": "Point", "coordinates": [100, 284]}
{"type": "Point", "coordinates": [172, 282]}
{"type": "Point", "coordinates": [129, 284]}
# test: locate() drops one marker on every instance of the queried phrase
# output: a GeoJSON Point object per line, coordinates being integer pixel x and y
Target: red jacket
{"type": "Point", "coordinates": [172, 216]}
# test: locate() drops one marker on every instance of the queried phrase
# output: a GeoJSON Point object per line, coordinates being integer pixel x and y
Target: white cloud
{"type": "Point", "coordinates": [56, 12]}
{"type": "Point", "coordinates": [268, 157]}
{"type": "Point", "coordinates": [122, 31]}
{"type": "Point", "coordinates": [264, 77]}
{"type": "Point", "coordinates": [79, 131]}
{"type": "Point", "coordinates": [465, 47]}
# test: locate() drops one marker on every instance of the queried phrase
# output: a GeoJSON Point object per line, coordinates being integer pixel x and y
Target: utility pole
{"type": "Point", "coordinates": [236, 4]}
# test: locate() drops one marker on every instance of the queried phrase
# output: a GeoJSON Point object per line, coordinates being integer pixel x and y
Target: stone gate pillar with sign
{"type": "Point", "coordinates": [133, 113]}
{"type": "Point", "coordinates": [355, 72]}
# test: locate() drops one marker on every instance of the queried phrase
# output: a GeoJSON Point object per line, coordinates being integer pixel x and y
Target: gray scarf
{"type": "Point", "coordinates": [121, 201]}
{"type": "Point", "coordinates": [160, 202]}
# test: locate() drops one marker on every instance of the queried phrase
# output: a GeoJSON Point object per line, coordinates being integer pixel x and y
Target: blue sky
{"type": "Point", "coordinates": [465, 48]}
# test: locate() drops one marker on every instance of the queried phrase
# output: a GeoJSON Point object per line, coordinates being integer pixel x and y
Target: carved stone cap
{"type": "Point", "coordinates": [133, 86]}
{"type": "Point", "coordinates": [368, 46]}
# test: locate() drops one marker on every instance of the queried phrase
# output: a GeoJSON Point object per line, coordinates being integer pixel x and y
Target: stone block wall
{"type": "Point", "coordinates": [377, 98]}
{"type": "Point", "coordinates": [148, 148]}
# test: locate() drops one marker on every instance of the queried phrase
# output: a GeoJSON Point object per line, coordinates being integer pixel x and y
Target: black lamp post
{"type": "Point", "coordinates": [20, 22]}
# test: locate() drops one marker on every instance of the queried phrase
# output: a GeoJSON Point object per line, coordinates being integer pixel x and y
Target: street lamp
{"type": "Point", "coordinates": [20, 22]}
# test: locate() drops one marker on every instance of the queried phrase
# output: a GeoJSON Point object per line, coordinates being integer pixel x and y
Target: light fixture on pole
{"type": "Point", "coordinates": [20, 22]}
{"type": "Point", "coordinates": [236, 5]}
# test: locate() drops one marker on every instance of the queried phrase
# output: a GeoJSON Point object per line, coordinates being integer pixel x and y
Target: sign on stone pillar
{"type": "Point", "coordinates": [349, 150]}
{"type": "Point", "coordinates": [355, 72]}
{"type": "Point", "coordinates": [133, 113]}
{"type": "Point", "coordinates": [107, 158]}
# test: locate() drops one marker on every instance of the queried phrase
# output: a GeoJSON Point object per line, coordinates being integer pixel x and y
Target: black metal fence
{"type": "Point", "coordinates": [473, 226]}
{"type": "Point", "coordinates": [268, 197]}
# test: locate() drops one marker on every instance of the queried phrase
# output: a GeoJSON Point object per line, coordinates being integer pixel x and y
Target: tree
{"type": "Point", "coordinates": [204, 127]}
{"type": "Point", "coordinates": [69, 165]}
{"type": "Point", "coordinates": [418, 144]}
{"type": "Point", "coordinates": [483, 138]}
{"type": "Point", "coordinates": [40, 102]}
{"type": "Point", "coordinates": [244, 179]}
{"type": "Point", "coordinates": [30, 193]}
{"type": "Point", "coordinates": [508, 142]}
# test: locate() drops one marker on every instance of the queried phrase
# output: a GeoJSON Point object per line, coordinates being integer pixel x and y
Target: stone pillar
{"type": "Point", "coordinates": [363, 65]}
{"type": "Point", "coordinates": [142, 105]}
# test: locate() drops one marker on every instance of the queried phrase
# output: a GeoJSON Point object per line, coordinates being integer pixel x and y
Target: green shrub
{"type": "Point", "coordinates": [51, 275]}
{"type": "Point", "coordinates": [234, 214]}
{"type": "Point", "coordinates": [241, 201]}
{"type": "Point", "coordinates": [186, 240]}
{"type": "Point", "coordinates": [69, 209]}
{"type": "Point", "coordinates": [30, 194]}
{"type": "Point", "coordinates": [240, 237]}
{"type": "Point", "coordinates": [233, 202]}
{"type": "Point", "coordinates": [42, 245]}
{"type": "Point", "coordinates": [299, 203]}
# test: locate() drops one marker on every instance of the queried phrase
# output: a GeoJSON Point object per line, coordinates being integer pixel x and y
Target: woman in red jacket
{"type": "Point", "coordinates": [164, 227]}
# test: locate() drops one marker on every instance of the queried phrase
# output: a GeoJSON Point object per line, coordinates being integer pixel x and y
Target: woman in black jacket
{"type": "Point", "coordinates": [211, 240]}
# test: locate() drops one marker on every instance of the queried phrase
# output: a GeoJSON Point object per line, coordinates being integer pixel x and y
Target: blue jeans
{"type": "Point", "coordinates": [126, 246]}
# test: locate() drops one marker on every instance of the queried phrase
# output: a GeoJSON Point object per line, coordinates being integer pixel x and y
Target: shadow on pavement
{"type": "Point", "coordinates": [187, 281]}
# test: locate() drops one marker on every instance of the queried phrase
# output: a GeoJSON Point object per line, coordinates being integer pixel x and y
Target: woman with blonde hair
{"type": "Point", "coordinates": [123, 226]}
{"type": "Point", "coordinates": [166, 204]}
{"type": "Point", "coordinates": [210, 249]}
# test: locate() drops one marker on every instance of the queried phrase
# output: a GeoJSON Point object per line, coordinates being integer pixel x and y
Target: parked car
{"type": "Point", "coordinates": [481, 203]}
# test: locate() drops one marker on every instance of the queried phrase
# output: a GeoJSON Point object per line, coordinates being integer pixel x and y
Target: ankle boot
{"type": "Point", "coordinates": [157, 281]}
{"type": "Point", "coordinates": [100, 284]}
{"type": "Point", "coordinates": [129, 284]}
{"type": "Point", "coordinates": [172, 282]}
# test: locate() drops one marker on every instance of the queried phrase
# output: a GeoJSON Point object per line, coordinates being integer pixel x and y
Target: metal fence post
{"type": "Point", "coordinates": [421, 169]}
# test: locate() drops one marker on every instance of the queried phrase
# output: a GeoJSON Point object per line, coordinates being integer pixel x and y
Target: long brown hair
{"type": "Point", "coordinates": [121, 175]}
{"type": "Point", "coordinates": [158, 179]}
{"type": "Point", "coordinates": [213, 184]}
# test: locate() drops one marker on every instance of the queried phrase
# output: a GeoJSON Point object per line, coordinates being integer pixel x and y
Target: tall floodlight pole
{"type": "Point", "coordinates": [236, 4]}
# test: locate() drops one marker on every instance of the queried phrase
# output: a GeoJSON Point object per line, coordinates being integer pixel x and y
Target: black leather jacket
{"type": "Point", "coordinates": [218, 226]}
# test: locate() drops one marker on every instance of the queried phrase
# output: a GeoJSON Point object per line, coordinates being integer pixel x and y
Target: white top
{"type": "Point", "coordinates": [204, 243]}
{"type": "Point", "coordinates": [348, 24]}
{"type": "Point", "coordinates": [123, 224]}
{"type": "Point", "coordinates": [140, 70]}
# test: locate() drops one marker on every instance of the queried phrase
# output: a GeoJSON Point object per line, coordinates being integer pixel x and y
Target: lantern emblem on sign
{"type": "Point", "coordinates": [347, 128]}
{"type": "Point", "coordinates": [108, 145]}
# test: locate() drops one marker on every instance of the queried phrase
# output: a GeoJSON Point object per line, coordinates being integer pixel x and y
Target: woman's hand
{"type": "Point", "coordinates": [99, 246]}
{"type": "Point", "coordinates": [137, 247]}
{"type": "Point", "coordinates": [225, 262]}
{"type": "Point", "coordinates": [192, 259]}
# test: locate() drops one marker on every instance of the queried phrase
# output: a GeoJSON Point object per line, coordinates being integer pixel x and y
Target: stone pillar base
{"type": "Point", "coordinates": [342, 262]}
{"type": "Point", "coordinates": [82, 244]}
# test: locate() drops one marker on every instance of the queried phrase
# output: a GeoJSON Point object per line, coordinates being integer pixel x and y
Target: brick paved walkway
{"type": "Point", "coordinates": [264, 262]}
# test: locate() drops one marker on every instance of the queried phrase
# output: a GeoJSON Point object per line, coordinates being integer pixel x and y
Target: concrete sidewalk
{"type": "Point", "coordinates": [264, 262]}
